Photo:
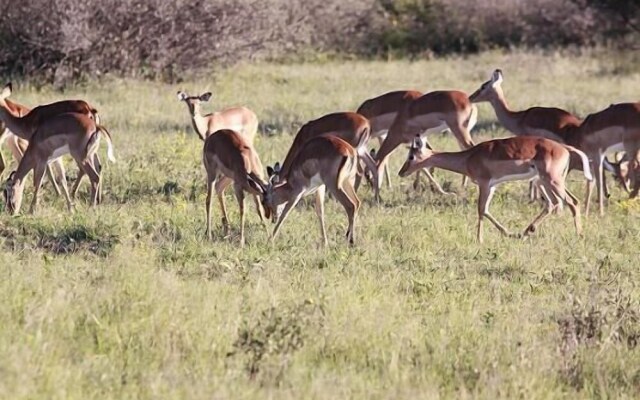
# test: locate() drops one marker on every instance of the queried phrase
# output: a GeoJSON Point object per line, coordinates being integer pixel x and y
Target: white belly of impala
{"type": "Point", "coordinates": [59, 152]}
{"type": "Point", "coordinates": [515, 177]}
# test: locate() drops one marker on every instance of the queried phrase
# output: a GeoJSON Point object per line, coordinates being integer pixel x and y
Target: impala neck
{"type": "Point", "coordinates": [506, 117]}
{"type": "Point", "coordinates": [451, 161]}
{"type": "Point", "coordinates": [198, 121]}
{"type": "Point", "coordinates": [18, 126]}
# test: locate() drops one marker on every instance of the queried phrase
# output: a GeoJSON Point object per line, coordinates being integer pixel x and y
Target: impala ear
{"type": "Point", "coordinates": [277, 167]}
{"type": "Point", "coordinates": [619, 156]}
{"type": "Point", "coordinates": [205, 96]}
{"type": "Point", "coordinates": [12, 176]}
{"type": "Point", "coordinates": [182, 96]}
{"type": "Point", "coordinates": [6, 91]}
{"type": "Point", "coordinates": [270, 171]}
{"type": "Point", "coordinates": [373, 152]}
{"type": "Point", "coordinates": [496, 77]}
{"type": "Point", "coordinates": [255, 184]}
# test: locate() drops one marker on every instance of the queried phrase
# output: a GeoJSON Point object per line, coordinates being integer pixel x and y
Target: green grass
{"type": "Point", "coordinates": [128, 300]}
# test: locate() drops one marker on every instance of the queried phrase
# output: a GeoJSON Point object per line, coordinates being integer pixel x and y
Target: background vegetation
{"type": "Point", "coordinates": [62, 40]}
{"type": "Point", "coordinates": [128, 300]}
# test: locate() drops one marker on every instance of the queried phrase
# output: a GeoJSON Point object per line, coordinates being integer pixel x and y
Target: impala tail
{"type": "Point", "coordinates": [586, 168]}
{"type": "Point", "coordinates": [473, 117]}
{"type": "Point", "coordinates": [102, 130]}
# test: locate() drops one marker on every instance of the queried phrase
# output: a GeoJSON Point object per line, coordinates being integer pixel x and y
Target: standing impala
{"type": "Point", "coordinates": [435, 110]}
{"type": "Point", "coordinates": [615, 128]}
{"type": "Point", "coordinates": [381, 111]}
{"type": "Point", "coordinates": [74, 133]}
{"type": "Point", "coordinates": [351, 127]}
{"type": "Point", "coordinates": [23, 123]}
{"type": "Point", "coordinates": [239, 119]}
{"type": "Point", "coordinates": [228, 158]}
{"type": "Point", "coordinates": [495, 161]}
{"type": "Point", "coordinates": [322, 162]}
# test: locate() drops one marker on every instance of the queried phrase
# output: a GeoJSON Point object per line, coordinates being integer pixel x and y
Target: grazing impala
{"type": "Point", "coordinates": [228, 158]}
{"type": "Point", "coordinates": [23, 123]}
{"type": "Point", "coordinates": [322, 162]}
{"type": "Point", "coordinates": [74, 133]}
{"type": "Point", "coordinates": [351, 127]}
{"type": "Point", "coordinates": [239, 119]}
{"type": "Point", "coordinates": [435, 110]}
{"type": "Point", "coordinates": [615, 128]}
{"type": "Point", "coordinates": [495, 161]}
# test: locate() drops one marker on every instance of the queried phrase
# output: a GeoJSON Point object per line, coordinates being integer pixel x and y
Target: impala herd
{"type": "Point", "coordinates": [331, 153]}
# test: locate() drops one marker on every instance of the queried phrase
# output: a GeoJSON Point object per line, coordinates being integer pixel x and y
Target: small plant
{"type": "Point", "coordinates": [275, 336]}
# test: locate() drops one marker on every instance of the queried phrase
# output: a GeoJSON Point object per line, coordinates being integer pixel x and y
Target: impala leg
{"type": "Point", "coordinates": [76, 184]}
{"type": "Point", "coordinates": [221, 184]}
{"type": "Point", "coordinates": [320, 213]}
{"type": "Point", "coordinates": [348, 189]}
{"type": "Point", "coordinates": [484, 200]}
{"type": "Point", "coordinates": [433, 182]}
{"type": "Point", "coordinates": [375, 176]}
{"type": "Point", "coordinates": [599, 175]}
{"type": "Point", "coordinates": [3, 166]}
{"type": "Point", "coordinates": [38, 174]}
{"type": "Point", "coordinates": [285, 214]}
{"type": "Point", "coordinates": [240, 197]}
{"type": "Point", "coordinates": [386, 169]}
{"type": "Point", "coordinates": [390, 143]}
{"type": "Point", "coordinates": [65, 188]}
{"type": "Point", "coordinates": [634, 171]}
{"type": "Point", "coordinates": [98, 167]}
{"type": "Point", "coordinates": [551, 203]}
{"type": "Point", "coordinates": [350, 207]}
{"type": "Point", "coordinates": [57, 175]}
{"type": "Point", "coordinates": [94, 177]}
{"type": "Point", "coordinates": [259, 209]}
{"type": "Point", "coordinates": [210, 183]}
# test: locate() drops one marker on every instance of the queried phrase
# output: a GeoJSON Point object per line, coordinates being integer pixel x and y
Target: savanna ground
{"type": "Point", "coordinates": [128, 300]}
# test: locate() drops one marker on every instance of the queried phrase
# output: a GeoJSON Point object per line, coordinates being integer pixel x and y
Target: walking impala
{"type": "Point", "coordinates": [495, 161]}
{"type": "Point", "coordinates": [322, 162]}
{"type": "Point", "coordinates": [433, 111]}
{"type": "Point", "coordinates": [351, 127]}
{"type": "Point", "coordinates": [549, 122]}
{"type": "Point", "coordinates": [23, 123]}
{"type": "Point", "coordinates": [228, 158]}
{"type": "Point", "coordinates": [74, 133]}
{"type": "Point", "coordinates": [239, 119]}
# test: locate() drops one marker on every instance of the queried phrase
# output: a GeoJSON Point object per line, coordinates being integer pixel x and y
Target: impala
{"type": "Point", "coordinates": [549, 122]}
{"type": "Point", "coordinates": [381, 111]}
{"type": "Point", "coordinates": [433, 111]}
{"type": "Point", "coordinates": [322, 162]}
{"type": "Point", "coordinates": [229, 157]}
{"type": "Point", "coordinates": [73, 133]}
{"type": "Point", "coordinates": [23, 123]}
{"type": "Point", "coordinates": [615, 128]}
{"type": "Point", "coordinates": [239, 119]}
{"type": "Point", "coordinates": [495, 161]}
{"type": "Point", "coordinates": [351, 127]}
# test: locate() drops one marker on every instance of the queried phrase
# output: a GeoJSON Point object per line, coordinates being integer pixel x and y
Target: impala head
{"type": "Point", "coordinates": [489, 89]}
{"type": "Point", "coordinates": [620, 170]}
{"type": "Point", "coordinates": [193, 102]}
{"type": "Point", "coordinates": [274, 173]}
{"type": "Point", "coordinates": [12, 193]}
{"type": "Point", "coordinates": [418, 152]}
{"type": "Point", "coordinates": [270, 202]}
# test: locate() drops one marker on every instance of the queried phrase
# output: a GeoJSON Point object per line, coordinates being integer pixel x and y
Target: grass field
{"type": "Point", "coordinates": [128, 300]}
